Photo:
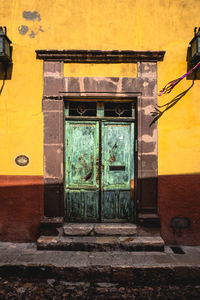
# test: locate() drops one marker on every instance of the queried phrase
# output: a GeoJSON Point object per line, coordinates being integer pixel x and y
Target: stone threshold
{"type": "Point", "coordinates": [56, 226]}
{"type": "Point", "coordinates": [99, 229]}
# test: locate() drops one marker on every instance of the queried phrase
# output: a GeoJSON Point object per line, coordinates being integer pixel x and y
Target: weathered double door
{"type": "Point", "coordinates": [99, 171]}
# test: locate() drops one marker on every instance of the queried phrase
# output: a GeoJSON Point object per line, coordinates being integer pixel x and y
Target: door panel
{"type": "Point", "coordinates": [82, 184]}
{"type": "Point", "coordinates": [116, 206]}
{"type": "Point", "coordinates": [82, 205]}
{"type": "Point", "coordinates": [117, 170]}
{"type": "Point", "coordinates": [125, 207]}
{"type": "Point", "coordinates": [82, 149]}
{"type": "Point", "coordinates": [109, 205]}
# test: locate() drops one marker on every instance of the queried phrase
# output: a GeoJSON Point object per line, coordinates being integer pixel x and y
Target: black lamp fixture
{"type": "Point", "coordinates": [195, 46]}
{"type": "Point", "coordinates": [5, 47]}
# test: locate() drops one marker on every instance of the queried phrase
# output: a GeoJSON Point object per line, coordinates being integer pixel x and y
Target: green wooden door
{"type": "Point", "coordinates": [82, 184]}
{"type": "Point", "coordinates": [117, 171]}
{"type": "Point", "coordinates": [99, 169]}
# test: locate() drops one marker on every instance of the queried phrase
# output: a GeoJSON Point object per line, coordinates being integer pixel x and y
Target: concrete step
{"type": "Point", "coordinates": [99, 229]}
{"type": "Point", "coordinates": [101, 243]}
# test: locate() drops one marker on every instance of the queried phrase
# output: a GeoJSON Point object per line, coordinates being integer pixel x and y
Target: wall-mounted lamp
{"type": "Point", "coordinates": [5, 56]}
{"type": "Point", "coordinates": [195, 46]}
{"type": "Point", "coordinates": [5, 47]}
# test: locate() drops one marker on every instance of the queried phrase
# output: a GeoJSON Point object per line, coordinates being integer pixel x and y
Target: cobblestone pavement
{"type": "Point", "coordinates": [21, 289]}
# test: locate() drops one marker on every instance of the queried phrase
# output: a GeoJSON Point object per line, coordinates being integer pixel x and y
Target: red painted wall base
{"type": "Point", "coordinates": [179, 196]}
{"type": "Point", "coordinates": [21, 207]}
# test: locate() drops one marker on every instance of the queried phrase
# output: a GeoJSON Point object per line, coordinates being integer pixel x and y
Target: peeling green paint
{"type": "Point", "coordinates": [118, 170]}
{"type": "Point", "coordinates": [91, 196]}
{"type": "Point", "coordinates": [82, 184]}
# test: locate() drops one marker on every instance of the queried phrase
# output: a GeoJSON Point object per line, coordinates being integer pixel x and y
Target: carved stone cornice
{"type": "Point", "coordinates": [97, 56]}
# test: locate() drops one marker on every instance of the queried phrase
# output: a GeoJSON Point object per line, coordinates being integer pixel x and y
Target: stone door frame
{"type": "Point", "coordinates": [57, 88]}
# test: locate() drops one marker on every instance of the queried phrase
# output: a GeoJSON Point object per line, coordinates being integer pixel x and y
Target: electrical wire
{"type": "Point", "coordinates": [170, 85]}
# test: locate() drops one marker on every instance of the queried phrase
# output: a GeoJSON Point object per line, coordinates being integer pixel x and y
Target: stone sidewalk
{"type": "Point", "coordinates": [142, 268]}
{"type": "Point", "coordinates": [26, 273]}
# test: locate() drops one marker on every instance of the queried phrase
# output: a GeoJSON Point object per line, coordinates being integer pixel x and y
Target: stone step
{"type": "Point", "coordinates": [149, 219]}
{"type": "Point", "coordinates": [101, 243]}
{"type": "Point", "coordinates": [51, 226]}
{"type": "Point", "coordinates": [99, 229]}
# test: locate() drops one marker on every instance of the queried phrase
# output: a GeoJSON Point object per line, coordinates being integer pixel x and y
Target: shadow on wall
{"type": "Point", "coordinates": [158, 112]}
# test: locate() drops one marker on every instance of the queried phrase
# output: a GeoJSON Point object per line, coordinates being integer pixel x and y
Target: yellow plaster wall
{"type": "Point", "coordinates": [100, 70]}
{"type": "Point", "coordinates": [104, 25]}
